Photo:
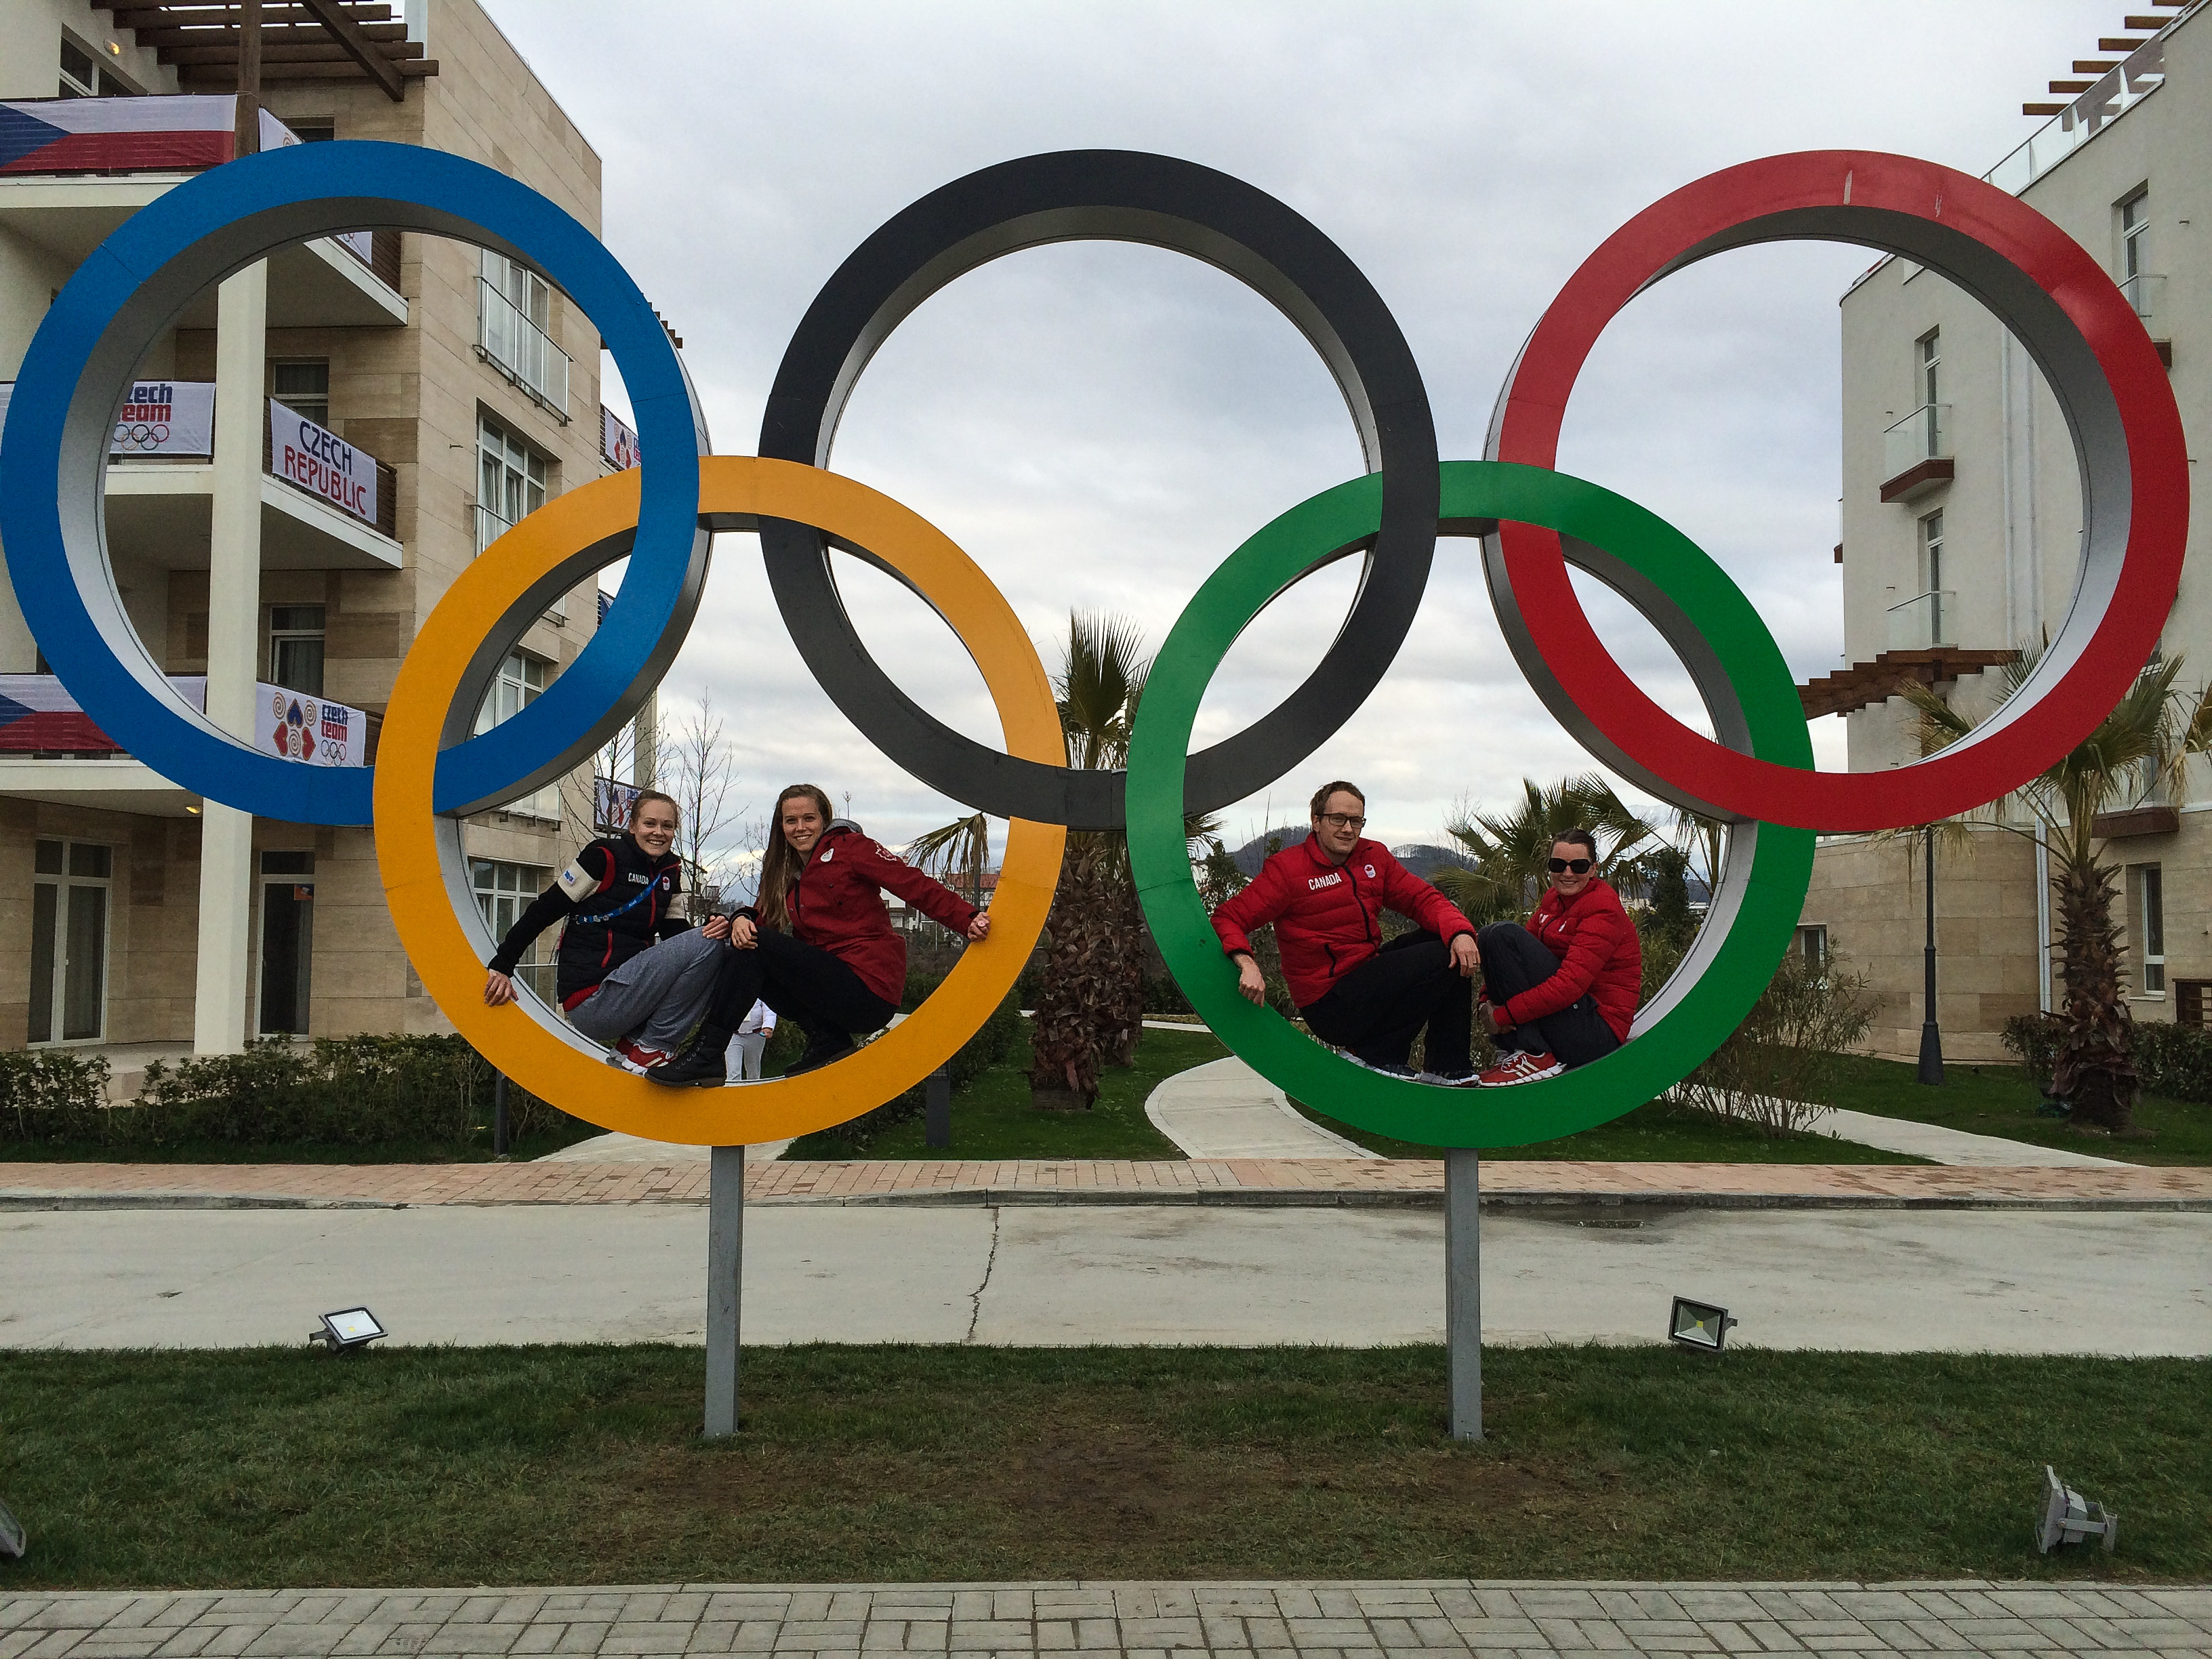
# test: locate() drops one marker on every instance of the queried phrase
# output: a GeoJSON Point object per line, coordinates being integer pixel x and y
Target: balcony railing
{"type": "Point", "coordinates": [1916, 453]}
{"type": "Point", "coordinates": [1924, 623]}
{"type": "Point", "coordinates": [2119, 90]}
{"type": "Point", "coordinates": [387, 481]}
{"type": "Point", "coordinates": [519, 348]}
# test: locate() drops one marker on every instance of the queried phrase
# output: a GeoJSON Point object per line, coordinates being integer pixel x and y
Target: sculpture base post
{"type": "Point", "coordinates": [726, 1252]}
{"type": "Point", "coordinates": [1463, 1289]}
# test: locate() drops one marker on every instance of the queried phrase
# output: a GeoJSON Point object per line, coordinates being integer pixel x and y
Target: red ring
{"type": "Point", "coordinates": [1645, 249]}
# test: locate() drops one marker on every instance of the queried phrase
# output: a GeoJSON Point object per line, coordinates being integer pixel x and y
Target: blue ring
{"type": "Point", "coordinates": [220, 222]}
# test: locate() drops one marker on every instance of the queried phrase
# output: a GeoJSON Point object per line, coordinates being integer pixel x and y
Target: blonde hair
{"type": "Point", "coordinates": [782, 866]}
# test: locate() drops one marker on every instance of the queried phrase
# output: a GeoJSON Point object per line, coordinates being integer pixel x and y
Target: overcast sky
{"type": "Point", "coordinates": [1098, 425]}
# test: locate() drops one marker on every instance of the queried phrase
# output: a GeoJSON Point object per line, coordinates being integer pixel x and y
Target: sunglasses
{"type": "Point", "coordinates": [1560, 867]}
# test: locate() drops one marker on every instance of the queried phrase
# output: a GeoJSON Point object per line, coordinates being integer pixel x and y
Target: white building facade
{"type": "Point", "coordinates": [1961, 520]}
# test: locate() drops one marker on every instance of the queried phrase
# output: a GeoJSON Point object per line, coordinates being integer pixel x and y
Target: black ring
{"type": "Point", "coordinates": [1126, 197]}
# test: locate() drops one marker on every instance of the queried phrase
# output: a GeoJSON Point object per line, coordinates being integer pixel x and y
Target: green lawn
{"type": "Point", "coordinates": [1654, 1133]}
{"type": "Point", "coordinates": [2000, 1100]}
{"type": "Point", "coordinates": [992, 1118]}
{"type": "Point", "coordinates": [581, 1465]}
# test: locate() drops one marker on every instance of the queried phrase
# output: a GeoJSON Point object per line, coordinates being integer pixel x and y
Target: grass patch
{"type": "Point", "coordinates": [582, 1465]}
{"type": "Point", "coordinates": [992, 1117]}
{"type": "Point", "coordinates": [2000, 1100]}
{"type": "Point", "coordinates": [1657, 1132]}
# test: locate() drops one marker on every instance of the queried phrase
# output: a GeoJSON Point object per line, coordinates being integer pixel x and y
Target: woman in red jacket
{"type": "Point", "coordinates": [1562, 991]}
{"type": "Point", "coordinates": [818, 945]}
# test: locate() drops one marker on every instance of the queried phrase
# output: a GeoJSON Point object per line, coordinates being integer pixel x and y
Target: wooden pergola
{"type": "Point", "coordinates": [246, 44]}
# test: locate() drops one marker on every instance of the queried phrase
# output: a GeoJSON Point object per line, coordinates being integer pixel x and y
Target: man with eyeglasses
{"type": "Point", "coordinates": [1561, 992]}
{"type": "Point", "coordinates": [1370, 997]}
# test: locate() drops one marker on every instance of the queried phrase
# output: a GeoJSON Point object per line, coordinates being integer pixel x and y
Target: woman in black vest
{"type": "Point", "coordinates": [628, 974]}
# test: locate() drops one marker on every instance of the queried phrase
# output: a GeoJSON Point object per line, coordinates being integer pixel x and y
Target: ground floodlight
{"type": "Point", "coordinates": [13, 1540]}
{"type": "Point", "coordinates": [346, 1330]}
{"type": "Point", "coordinates": [2067, 1517]}
{"type": "Point", "coordinates": [1698, 1325]}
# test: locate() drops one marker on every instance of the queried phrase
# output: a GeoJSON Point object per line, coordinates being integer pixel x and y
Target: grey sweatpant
{"type": "Point", "coordinates": [657, 996]}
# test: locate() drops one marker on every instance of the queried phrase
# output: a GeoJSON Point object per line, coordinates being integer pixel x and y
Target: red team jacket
{"type": "Point", "coordinates": [836, 905]}
{"type": "Point", "coordinates": [1328, 917]}
{"type": "Point", "coordinates": [1596, 946]}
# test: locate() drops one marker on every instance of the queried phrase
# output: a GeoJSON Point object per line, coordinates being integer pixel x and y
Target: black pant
{"type": "Point", "coordinates": [800, 981]}
{"type": "Point", "coordinates": [1514, 960]}
{"type": "Point", "coordinates": [1379, 1007]}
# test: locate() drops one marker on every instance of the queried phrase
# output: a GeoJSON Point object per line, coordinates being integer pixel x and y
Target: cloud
{"type": "Point", "coordinates": [1099, 425]}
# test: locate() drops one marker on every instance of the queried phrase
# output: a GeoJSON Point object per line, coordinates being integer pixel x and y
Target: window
{"type": "Point", "coordinates": [303, 387]}
{"type": "Point", "coordinates": [1931, 553]}
{"type": "Point", "coordinates": [1813, 945]}
{"type": "Point", "coordinates": [288, 941]}
{"type": "Point", "coordinates": [295, 648]}
{"type": "Point", "coordinates": [515, 317]}
{"type": "Point", "coordinates": [85, 75]}
{"type": "Point", "coordinates": [313, 129]}
{"type": "Point", "coordinates": [2147, 882]}
{"type": "Point", "coordinates": [503, 892]}
{"type": "Point", "coordinates": [2134, 240]}
{"type": "Point", "coordinates": [510, 480]}
{"type": "Point", "coordinates": [69, 941]}
{"type": "Point", "coordinates": [522, 677]}
{"type": "Point", "coordinates": [1931, 366]}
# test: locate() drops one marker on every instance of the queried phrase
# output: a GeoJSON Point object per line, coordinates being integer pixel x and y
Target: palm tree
{"type": "Point", "coordinates": [1511, 849]}
{"type": "Point", "coordinates": [2140, 749]}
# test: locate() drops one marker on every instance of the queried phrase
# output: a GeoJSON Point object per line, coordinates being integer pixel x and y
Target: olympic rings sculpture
{"type": "Point", "coordinates": [1533, 523]}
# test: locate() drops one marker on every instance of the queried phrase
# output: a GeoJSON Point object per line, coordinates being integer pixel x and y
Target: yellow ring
{"type": "Point", "coordinates": [407, 850]}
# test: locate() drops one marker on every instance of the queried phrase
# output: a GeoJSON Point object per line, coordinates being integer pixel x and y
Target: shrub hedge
{"type": "Point", "coordinates": [2173, 1060]}
{"type": "Point", "coordinates": [334, 1091]}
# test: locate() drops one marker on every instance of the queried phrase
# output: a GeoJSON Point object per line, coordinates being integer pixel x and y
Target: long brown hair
{"type": "Point", "coordinates": [781, 865]}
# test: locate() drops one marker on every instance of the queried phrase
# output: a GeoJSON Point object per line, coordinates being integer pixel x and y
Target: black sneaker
{"type": "Point", "coordinates": [820, 1054]}
{"type": "Point", "coordinates": [700, 1064]}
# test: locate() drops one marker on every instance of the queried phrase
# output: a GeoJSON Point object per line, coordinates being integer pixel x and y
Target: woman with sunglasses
{"type": "Point", "coordinates": [1561, 992]}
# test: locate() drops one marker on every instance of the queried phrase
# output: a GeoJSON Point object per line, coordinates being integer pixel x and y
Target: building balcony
{"type": "Point", "coordinates": [322, 283]}
{"type": "Point", "coordinates": [1915, 453]}
{"type": "Point", "coordinates": [525, 354]}
{"type": "Point", "coordinates": [161, 514]}
{"type": "Point", "coordinates": [2146, 292]}
{"type": "Point", "coordinates": [1924, 622]}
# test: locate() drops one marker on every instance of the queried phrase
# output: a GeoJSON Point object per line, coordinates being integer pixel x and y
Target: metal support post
{"type": "Point", "coordinates": [726, 1250]}
{"type": "Point", "coordinates": [1463, 1289]}
{"type": "Point", "coordinates": [1931, 1039]}
{"type": "Point", "coordinates": [499, 1138]}
{"type": "Point", "coordinates": [936, 1121]}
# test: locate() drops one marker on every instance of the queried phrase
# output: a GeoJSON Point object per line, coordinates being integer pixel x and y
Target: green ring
{"type": "Point", "coordinates": [1653, 1061]}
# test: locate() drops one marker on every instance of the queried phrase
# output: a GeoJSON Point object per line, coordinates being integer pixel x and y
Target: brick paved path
{"type": "Point", "coordinates": [1263, 1181]}
{"type": "Point", "coordinates": [1433, 1620]}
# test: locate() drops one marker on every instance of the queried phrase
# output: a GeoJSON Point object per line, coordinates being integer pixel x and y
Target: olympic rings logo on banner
{"type": "Point", "coordinates": [1533, 523]}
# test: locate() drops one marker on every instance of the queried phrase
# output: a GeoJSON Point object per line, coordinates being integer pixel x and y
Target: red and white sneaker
{"type": "Point", "coordinates": [1519, 1068]}
{"type": "Point", "coordinates": [636, 1057]}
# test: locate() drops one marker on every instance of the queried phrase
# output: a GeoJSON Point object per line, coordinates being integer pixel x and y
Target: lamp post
{"type": "Point", "coordinates": [1931, 1039]}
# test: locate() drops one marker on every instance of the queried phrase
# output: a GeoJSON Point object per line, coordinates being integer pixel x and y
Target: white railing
{"type": "Point", "coordinates": [2146, 292]}
{"type": "Point", "coordinates": [521, 350]}
{"type": "Point", "coordinates": [2119, 90]}
{"type": "Point", "coordinates": [1922, 436]}
{"type": "Point", "coordinates": [1924, 623]}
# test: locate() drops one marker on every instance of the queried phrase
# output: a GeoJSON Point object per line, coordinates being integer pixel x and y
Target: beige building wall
{"type": "Point", "coordinates": [412, 396]}
{"type": "Point", "coordinates": [2011, 523]}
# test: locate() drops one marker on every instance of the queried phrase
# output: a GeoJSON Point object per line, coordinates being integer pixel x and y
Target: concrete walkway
{"type": "Point", "coordinates": [1952, 1146]}
{"type": "Point", "coordinates": [1243, 1182]}
{"type": "Point", "coordinates": [1227, 1110]}
{"type": "Point", "coordinates": [617, 1148]}
{"type": "Point", "coordinates": [2018, 1281]}
{"type": "Point", "coordinates": [1453, 1619]}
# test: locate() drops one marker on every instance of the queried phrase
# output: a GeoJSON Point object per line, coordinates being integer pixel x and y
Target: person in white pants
{"type": "Point", "coordinates": [744, 1061]}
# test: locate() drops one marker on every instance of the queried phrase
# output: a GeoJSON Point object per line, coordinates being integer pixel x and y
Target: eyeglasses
{"type": "Point", "coordinates": [1560, 867]}
{"type": "Point", "coordinates": [1343, 821]}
